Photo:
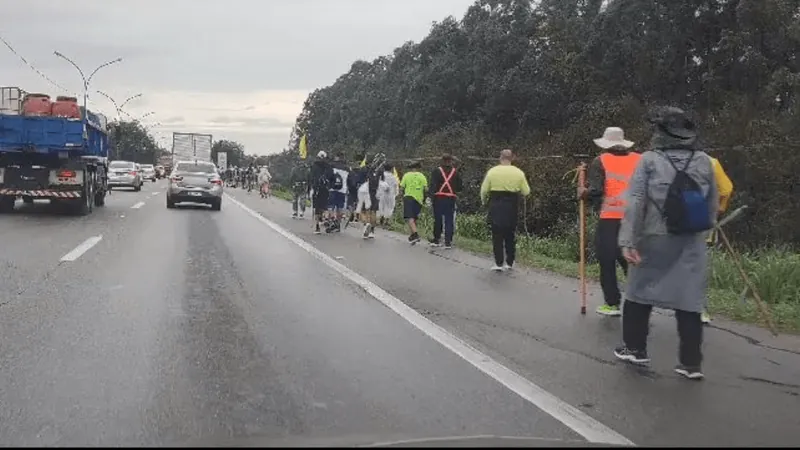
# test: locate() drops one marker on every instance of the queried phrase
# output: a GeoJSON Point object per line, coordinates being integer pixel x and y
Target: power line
{"type": "Point", "coordinates": [39, 72]}
{"type": "Point", "coordinates": [26, 62]}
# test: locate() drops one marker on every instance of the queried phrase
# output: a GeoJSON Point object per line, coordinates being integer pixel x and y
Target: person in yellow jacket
{"type": "Point", "coordinates": [725, 190]}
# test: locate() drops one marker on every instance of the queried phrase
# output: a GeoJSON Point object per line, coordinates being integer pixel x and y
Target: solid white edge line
{"type": "Point", "coordinates": [78, 251]}
{"type": "Point", "coordinates": [138, 205]}
{"type": "Point", "coordinates": [573, 418]}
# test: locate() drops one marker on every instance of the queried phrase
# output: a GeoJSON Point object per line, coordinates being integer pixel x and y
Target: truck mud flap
{"type": "Point", "coordinates": [41, 193]}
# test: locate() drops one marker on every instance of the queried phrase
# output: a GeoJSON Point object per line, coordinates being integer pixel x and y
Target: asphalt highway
{"type": "Point", "coordinates": [143, 326]}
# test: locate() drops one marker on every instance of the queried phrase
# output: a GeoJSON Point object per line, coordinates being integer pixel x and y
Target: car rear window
{"type": "Point", "coordinates": [121, 165]}
{"type": "Point", "coordinates": [194, 168]}
{"type": "Point", "coordinates": [147, 166]}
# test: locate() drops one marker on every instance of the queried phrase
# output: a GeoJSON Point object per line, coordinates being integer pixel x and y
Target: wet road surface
{"type": "Point", "coordinates": [139, 325]}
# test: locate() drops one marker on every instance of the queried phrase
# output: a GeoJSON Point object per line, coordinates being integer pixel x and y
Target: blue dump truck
{"type": "Point", "coordinates": [61, 159]}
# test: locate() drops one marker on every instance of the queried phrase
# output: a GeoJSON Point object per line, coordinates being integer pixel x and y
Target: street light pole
{"type": "Point", "coordinates": [86, 80]}
{"type": "Point", "coordinates": [146, 115]}
{"type": "Point", "coordinates": [119, 118]}
{"type": "Point", "coordinates": [129, 99]}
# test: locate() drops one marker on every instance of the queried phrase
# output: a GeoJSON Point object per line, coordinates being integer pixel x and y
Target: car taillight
{"type": "Point", "coordinates": [176, 178]}
{"type": "Point", "coordinates": [133, 173]}
{"type": "Point", "coordinates": [216, 181]}
{"type": "Point", "coordinates": [64, 173]}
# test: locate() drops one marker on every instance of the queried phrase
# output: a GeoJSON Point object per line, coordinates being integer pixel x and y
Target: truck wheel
{"type": "Point", "coordinates": [27, 200]}
{"type": "Point", "coordinates": [100, 198]}
{"type": "Point", "coordinates": [6, 204]}
{"type": "Point", "coordinates": [85, 204]}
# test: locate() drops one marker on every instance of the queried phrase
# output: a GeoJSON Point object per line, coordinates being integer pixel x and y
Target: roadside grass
{"type": "Point", "coordinates": [775, 272]}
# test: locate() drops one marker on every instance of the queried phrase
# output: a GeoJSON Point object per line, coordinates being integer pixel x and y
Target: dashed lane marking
{"type": "Point", "coordinates": [84, 247]}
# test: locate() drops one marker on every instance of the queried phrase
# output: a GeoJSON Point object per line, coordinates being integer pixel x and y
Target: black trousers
{"type": "Point", "coordinates": [504, 243]}
{"type": "Point", "coordinates": [636, 326]}
{"type": "Point", "coordinates": [608, 255]}
{"type": "Point", "coordinates": [444, 213]}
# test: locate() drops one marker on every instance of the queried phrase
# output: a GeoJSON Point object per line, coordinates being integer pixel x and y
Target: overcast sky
{"type": "Point", "coordinates": [238, 69]}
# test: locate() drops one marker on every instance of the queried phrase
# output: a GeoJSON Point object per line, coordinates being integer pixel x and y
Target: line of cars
{"type": "Point", "coordinates": [189, 181]}
{"type": "Point", "coordinates": [128, 174]}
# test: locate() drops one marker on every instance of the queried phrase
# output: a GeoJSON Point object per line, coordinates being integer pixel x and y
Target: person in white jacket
{"type": "Point", "coordinates": [264, 178]}
{"type": "Point", "coordinates": [388, 189]}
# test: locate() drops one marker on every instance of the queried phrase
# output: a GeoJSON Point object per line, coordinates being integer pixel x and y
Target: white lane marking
{"type": "Point", "coordinates": [78, 251]}
{"type": "Point", "coordinates": [138, 205]}
{"type": "Point", "coordinates": [156, 193]}
{"type": "Point", "coordinates": [575, 419]}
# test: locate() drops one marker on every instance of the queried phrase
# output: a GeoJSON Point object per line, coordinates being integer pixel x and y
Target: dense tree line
{"type": "Point", "coordinates": [546, 77]}
{"type": "Point", "coordinates": [130, 141]}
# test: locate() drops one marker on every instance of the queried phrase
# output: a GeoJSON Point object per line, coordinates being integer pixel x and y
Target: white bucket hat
{"type": "Point", "coordinates": [612, 137]}
{"type": "Point", "coordinates": [322, 154]}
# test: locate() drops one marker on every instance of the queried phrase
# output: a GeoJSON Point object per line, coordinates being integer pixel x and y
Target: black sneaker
{"type": "Point", "coordinates": [631, 356]}
{"type": "Point", "coordinates": [448, 246]}
{"type": "Point", "coordinates": [413, 239]}
{"type": "Point", "coordinates": [435, 243]}
{"type": "Point", "coordinates": [294, 215]}
{"type": "Point", "coordinates": [692, 373]}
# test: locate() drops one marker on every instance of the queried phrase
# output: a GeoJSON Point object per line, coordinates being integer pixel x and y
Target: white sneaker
{"type": "Point", "coordinates": [496, 268]}
{"type": "Point", "coordinates": [507, 267]}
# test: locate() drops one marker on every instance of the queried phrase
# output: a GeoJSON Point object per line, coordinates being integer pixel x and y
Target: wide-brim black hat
{"type": "Point", "coordinates": [673, 121]}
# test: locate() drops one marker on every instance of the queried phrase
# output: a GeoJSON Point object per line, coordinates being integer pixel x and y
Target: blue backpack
{"type": "Point", "coordinates": [686, 210]}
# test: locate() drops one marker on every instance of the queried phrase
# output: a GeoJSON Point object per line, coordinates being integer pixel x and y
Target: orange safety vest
{"type": "Point", "coordinates": [446, 184]}
{"type": "Point", "coordinates": [618, 169]}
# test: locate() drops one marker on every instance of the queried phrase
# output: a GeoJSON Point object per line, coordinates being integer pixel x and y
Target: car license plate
{"type": "Point", "coordinates": [195, 194]}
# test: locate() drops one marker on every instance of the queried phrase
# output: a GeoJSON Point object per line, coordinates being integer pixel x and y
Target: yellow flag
{"type": "Point", "coordinates": [394, 172]}
{"type": "Point", "coordinates": [364, 162]}
{"type": "Point", "coordinates": [303, 148]}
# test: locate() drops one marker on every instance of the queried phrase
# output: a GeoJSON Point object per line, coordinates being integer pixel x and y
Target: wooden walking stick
{"type": "Point", "coordinates": [762, 307]}
{"type": "Point", "coordinates": [582, 226]}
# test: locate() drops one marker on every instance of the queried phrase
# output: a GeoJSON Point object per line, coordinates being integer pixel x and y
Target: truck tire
{"type": "Point", "coordinates": [6, 204]}
{"type": "Point", "coordinates": [85, 204]}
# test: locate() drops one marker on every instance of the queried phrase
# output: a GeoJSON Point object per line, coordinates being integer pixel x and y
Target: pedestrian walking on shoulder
{"type": "Point", "coordinates": [414, 186]}
{"type": "Point", "coordinates": [444, 188]}
{"type": "Point", "coordinates": [298, 179]}
{"type": "Point", "coordinates": [387, 195]}
{"type": "Point", "coordinates": [672, 204]}
{"type": "Point", "coordinates": [320, 181]}
{"type": "Point", "coordinates": [609, 175]}
{"type": "Point", "coordinates": [502, 188]}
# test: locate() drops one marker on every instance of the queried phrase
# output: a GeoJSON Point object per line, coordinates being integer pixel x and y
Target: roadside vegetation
{"type": "Point", "coordinates": [545, 77]}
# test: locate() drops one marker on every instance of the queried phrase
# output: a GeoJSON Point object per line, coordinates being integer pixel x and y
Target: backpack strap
{"type": "Point", "coordinates": [669, 160]}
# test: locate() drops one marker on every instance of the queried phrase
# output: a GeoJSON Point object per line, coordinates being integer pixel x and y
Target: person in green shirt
{"type": "Point", "coordinates": [415, 188]}
{"type": "Point", "coordinates": [502, 187]}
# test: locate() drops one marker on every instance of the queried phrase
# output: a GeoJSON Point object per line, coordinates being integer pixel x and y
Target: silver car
{"type": "Point", "coordinates": [124, 174]}
{"type": "Point", "coordinates": [149, 172]}
{"type": "Point", "coordinates": [195, 182]}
